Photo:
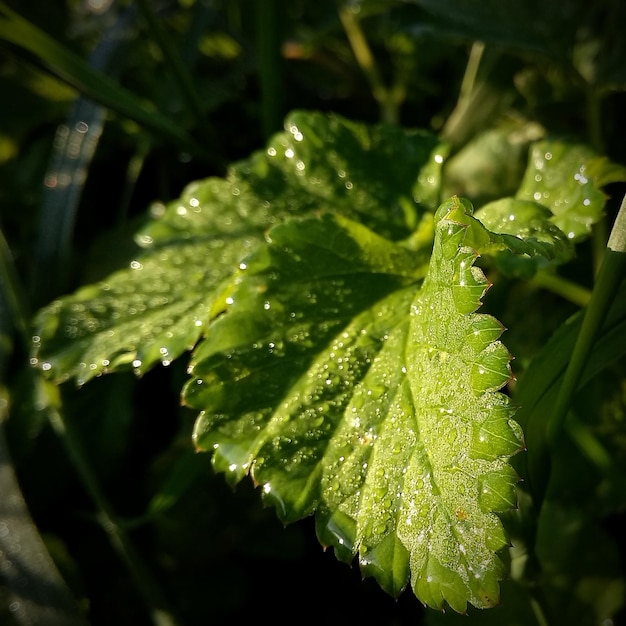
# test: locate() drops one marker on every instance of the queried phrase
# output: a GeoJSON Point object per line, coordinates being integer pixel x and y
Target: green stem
{"type": "Point", "coordinates": [162, 614]}
{"type": "Point", "coordinates": [610, 275]}
{"type": "Point", "coordinates": [388, 101]}
{"type": "Point", "coordinates": [457, 120]}
{"type": "Point", "coordinates": [471, 72]}
{"type": "Point", "coordinates": [562, 287]}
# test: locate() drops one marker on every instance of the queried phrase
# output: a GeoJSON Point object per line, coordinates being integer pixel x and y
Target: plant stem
{"type": "Point", "coordinates": [562, 287]}
{"type": "Point", "coordinates": [471, 72]}
{"type": "Point", "coordinates": [454, 126]}
{"type": "Point", "coordinates": [388, 100]}
{"type": "Point", "coordinates": [610, 275]}
{"type": "Point", "coordinates": [162, 614]}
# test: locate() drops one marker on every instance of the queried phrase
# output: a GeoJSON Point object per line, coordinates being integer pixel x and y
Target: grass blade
{"type": "Point", "coordinates": [77, 72]}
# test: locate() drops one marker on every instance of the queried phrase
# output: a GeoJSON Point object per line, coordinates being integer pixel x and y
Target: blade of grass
{"type": "Point", "coordinates": [74, 147]}
{"type": "Point", "coordinates": [14, 313]}
{"type": "Point", "coordinates": [609, 276]}
{"type": "Point", "coordinates": [389, 100]}
{"type": "Point", "coordinates": [77, 73]}
{"type": "Point", "coordinates": [36, 590]}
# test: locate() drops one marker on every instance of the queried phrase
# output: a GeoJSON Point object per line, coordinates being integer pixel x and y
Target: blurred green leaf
{"type": "Point", "coordinates": [491, 165]}
{"type": "Point", "coordinates": [548, 28]}
{"type": "Point", "coordinates": [533, 240]}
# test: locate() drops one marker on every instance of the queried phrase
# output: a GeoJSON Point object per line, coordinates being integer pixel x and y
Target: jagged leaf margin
{"type": "Point", "coordinates": [568, 178]}
{"type": "Point", "coordinates": [528, 239]}
{"type": "Point", "coordinates": [342, 393]}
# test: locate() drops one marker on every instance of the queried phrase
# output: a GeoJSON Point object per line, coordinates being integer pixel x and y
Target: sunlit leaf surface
{"type": "Point", "coordinates": [568, 179]}
{"type": "Point", "coordinates": [344, 386]}
{"type": "Point", "coordinates": [161, 305]}
{"type": "Point", "coordinates": [528, 236]}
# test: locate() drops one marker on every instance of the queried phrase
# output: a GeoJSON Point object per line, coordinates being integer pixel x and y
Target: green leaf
{"type": "Point", "coordinates": [341, 392]}
{"type": "Point", "coordinates": [160, 306]}
{"type": "Point", "coordinates": [520, 25]}
{"type": "Point", "coordinates": [567, 178]}
{"type": "Point", "coordinates": [531, 238]}
{"type": "Point", "coordinates": [491, 164]}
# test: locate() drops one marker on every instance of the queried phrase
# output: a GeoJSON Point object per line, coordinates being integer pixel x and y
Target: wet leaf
{"type": "Point", "coordinates": [345, 389]}
{"type": "Point", "coordinates": [161, 305]}
{"type": "Point", "coordinates": [532, 240]}
{"type": "Point", "coordinates": [567, 178]}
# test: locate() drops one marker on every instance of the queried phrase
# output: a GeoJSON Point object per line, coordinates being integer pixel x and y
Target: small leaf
{"type": "Point", "coordinates": [530, 238]}
{"type": "Point", "coordinates": [567, 178]}
{"type": "Point", "coordinates": [343, 393]}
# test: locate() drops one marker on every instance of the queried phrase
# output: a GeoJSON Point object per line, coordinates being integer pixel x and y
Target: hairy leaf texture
{"type": "Point", "coordinates": [347, 390]}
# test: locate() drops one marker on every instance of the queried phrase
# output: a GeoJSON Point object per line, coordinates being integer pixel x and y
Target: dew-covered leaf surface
{"type": "Point", "coordinates": [529, 239]}
{"type": "Point", "coordinates": [348, 388]}
{"type": "Point", "coordinates": [568, 179]}
{"type": "Point", "coordinates": [161, 305]}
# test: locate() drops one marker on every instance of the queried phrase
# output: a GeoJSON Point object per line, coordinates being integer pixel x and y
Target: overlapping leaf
{"type": "Point", "coordinates": [343, 392]}
{"type": "Point", "coordinates": [160, 306]}
{"type": "Point", "coordinates": [568, 179]}
{"type": "Point", "coordinates": [528, 238]}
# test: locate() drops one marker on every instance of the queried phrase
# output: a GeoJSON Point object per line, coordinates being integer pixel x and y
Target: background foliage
{"type": "Point", "coordinates": [192, 87]}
